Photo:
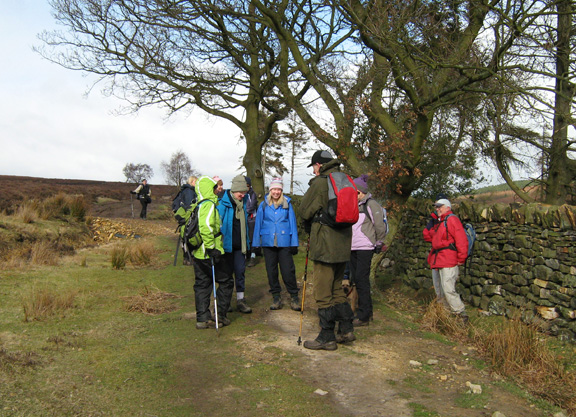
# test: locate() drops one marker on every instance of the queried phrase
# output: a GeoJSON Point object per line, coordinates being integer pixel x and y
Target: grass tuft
{"type": "Point", "coordinates": [42, 303]}
{"type": "Point", "coordinates": [519, 351]}
{"type": "Point", "coordinates": [141, 253]}
{"type": "Point", "coordinates": [151, 301]}
{"type": "Point", "coordinates": [119, 257]}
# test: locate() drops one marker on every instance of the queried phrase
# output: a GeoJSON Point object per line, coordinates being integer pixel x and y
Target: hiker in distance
{"type": "Point", "coordinates": [210, 267]}
{"type": "Point", "coordinates": [449, 250]}
{"type": "Point", "coordinates": [144, 195]}
{"type": "Point", "coordinates": [236, 241]}
{"type": "Point", "coordinates": [329, 251]}
{"type": "Point", "coordinates": [367, 238]}
{"type": "Point", "coordinates": [276, 232]}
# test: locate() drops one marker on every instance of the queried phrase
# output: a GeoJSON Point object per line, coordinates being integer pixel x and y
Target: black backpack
{"type": "Point", "coordinates": [188, 225]}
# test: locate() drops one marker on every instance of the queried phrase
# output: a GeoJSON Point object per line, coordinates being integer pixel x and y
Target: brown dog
{"type": "Point", "coordinates": [351, 294]}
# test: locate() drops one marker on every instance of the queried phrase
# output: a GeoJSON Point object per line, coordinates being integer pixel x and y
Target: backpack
{"type": "Point", "coordinates": [342, 210]}
{"type": "Point", "coordinates": [177, 202]}
{"type": "Point", "coordinates": [188, 225]}
{"type": "Point", "coordinates": [384, 214]}
{"type": "Point", "coordinates": [470, 234]}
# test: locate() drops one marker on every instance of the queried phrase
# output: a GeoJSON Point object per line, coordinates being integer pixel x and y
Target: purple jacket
{"type": "Point", "coordinates": [369, 230]}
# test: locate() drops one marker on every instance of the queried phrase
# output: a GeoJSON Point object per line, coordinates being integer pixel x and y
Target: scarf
{"type": "Point", "coordinates": [239, 213]}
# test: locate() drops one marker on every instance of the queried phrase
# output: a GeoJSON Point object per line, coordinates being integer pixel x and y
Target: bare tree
{"type": "Point", "coordinates": [178, 169]}
{"type": "Point", "coordinates": [137, 172]}
{"type": "Point", "coordinates": [205, 54]}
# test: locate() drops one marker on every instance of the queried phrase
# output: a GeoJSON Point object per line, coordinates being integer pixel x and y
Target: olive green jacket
{"type": "Point", "coordinates": [326, 244]}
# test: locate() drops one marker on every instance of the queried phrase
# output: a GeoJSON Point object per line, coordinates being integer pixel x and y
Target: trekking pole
{"type": "Point", "coordinates": [177, 249]}
{"type": "Point", "coordinates": [215, 301]}
{"type": "Point", "coordinates": [132, 205]}
{"type": "Point", "coordinates": [304, 292]}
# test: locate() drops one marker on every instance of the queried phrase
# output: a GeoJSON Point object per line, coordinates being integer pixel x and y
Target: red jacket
{"type": "Point", "coordinates": [442, 254]}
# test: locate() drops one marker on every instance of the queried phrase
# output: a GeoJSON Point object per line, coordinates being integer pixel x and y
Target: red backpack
{"type": "Point", "coordinates": [342, 210]}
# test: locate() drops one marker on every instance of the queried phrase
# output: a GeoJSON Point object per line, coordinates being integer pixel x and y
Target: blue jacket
{"type": "Point", "coordinates": [226, 208]}
{"type": "Point", "coordinates": [275, 226]}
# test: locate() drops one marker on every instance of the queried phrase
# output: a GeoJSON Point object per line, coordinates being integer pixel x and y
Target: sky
{"type": "Point", "coordinates": [51, 128]}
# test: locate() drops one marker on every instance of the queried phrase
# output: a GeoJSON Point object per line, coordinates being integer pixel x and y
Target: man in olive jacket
{"type": "Point", "coordinates": [329, 251]}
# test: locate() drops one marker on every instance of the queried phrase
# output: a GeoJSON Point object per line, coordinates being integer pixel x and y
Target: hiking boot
{"type": "Point", "coordinates": [252, 262]}
{"type": "Point", "coordinates": [223, 321]}
{"type": "Point", "coordinates": [360, 323]}
{"type": "Point", "coordinates": [295, 303]}
{"type": "Point", "coordinates": [243, 307]}
{"type": "Point", "coordinates": [276, 303]}
{"type": "Point", "coordinates": [345, 337]}
{"type": "Point", "coordinates": [202, 325]}
{"type": "Point", "coordinates": [317, 345]}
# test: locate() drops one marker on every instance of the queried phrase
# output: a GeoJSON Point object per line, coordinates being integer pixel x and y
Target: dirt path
{"type": "Point", "coordinates": [373, 376]}
{"type": "Point", "coordinates": [392, 369]}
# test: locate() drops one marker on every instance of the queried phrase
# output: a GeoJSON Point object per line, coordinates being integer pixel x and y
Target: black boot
{"type": "Point", "coordinates": [326, 340]}
{"type": "Point", "coordinates": [344, 316]}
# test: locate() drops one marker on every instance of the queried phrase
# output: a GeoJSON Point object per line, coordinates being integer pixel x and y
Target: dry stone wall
{"type": "Point", "coordinates": [523, 264]}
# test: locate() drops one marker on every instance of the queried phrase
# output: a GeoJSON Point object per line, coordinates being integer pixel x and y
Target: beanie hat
{"type": "Point", "coordinates": [248, 180]}
{"type": "Point", "coordinates": [239, 184]}
{"type": "Point", "coordinates": [362, 183]}
{"type": "Point", "coordinates": [276, 183]}
{"type": "Point", "coordinates": [321, 157]}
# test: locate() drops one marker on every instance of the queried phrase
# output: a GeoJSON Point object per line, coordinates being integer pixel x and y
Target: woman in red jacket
{"type": "Point", "coordinates": [449, 251]}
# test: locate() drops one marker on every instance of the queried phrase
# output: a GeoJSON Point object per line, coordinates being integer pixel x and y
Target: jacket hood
{"type": "Point", "coordinates": [205, 188]}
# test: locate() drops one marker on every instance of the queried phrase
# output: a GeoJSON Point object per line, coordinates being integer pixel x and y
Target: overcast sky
{"type": "Point", "coordinates": [50, 128]}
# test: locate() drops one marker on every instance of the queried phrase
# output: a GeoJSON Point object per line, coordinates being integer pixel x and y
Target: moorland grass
{"type": "Point", "coordinates": [100, 358]}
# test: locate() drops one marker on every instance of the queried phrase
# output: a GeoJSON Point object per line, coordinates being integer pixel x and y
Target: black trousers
{"type": "Point", "coordinates": [360, 261]}
{"type": "Point", "coordinates": [203, 287]}
{"type": "Point", "coordinates": [144, 207]}
{"type": "Point", "coordinates": [283, 257]}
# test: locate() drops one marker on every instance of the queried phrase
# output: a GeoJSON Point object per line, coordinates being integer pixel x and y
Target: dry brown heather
{"type": "Point", "coordinates": [16, 189]}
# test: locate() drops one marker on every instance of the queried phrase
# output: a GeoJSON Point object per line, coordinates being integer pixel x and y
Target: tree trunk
{"type": "Point", "coordinates": [559, 175]}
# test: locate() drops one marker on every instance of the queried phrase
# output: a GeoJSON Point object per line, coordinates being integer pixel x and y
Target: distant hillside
{"type": "Point", "coordinates": [16, 189]}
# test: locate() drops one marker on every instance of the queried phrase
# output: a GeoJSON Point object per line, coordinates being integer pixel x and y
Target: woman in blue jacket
{"type": "Point", "coordinates": [235, 239]}
{"type": "Point", "coordinates": [276, 233]}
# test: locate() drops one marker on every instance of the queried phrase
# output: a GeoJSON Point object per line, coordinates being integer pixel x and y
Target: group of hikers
{"type": "Point", "coordinates": [233, 227]}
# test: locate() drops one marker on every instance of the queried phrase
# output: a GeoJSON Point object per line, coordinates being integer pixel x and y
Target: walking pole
{"type": "Point", "coordinates": [215, 301]}
{"type": "Point", "coordinates": [132, 205]}
{"type": "Point", "coordinates": [177, 249]}
{"type": "Point", "coordinates": [303, 292]}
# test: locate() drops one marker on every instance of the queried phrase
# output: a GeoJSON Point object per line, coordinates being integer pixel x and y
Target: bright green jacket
{"type": "Point", "coordinates": [208, 218]}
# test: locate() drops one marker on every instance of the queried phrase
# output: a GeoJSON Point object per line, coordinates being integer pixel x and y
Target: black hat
{"type": "Point", "coordinates": [321, 157]}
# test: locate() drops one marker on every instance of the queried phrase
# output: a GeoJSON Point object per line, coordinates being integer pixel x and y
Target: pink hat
{"type": "Point", "coordinates": [276, 183]}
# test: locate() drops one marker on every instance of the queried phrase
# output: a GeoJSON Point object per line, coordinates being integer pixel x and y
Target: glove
{"type": "Point", "coordinates": [433, 221]}
{"type": "Point", "coordinates": [378, 248]}
{"type": "Point", "coordinates": [294, 250]}
{"type": "Point", "coordinates": [307, 226]}
{"type": "Point", "coordinates": [214, 254]}
{"type": "Point", "coordinates": [132, 192]}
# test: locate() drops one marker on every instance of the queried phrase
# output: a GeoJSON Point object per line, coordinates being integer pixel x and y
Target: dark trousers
{"type": "Point", "coordinates": [144, 207]}
{"type": "Point", "coordinates": [203, 287]}
{"type": "Point", "coordinates": [237, 263]}
{"type": "Point", "coordinates": [360, 262]}
{"type": "Point", "coordinates": [283, 257]}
